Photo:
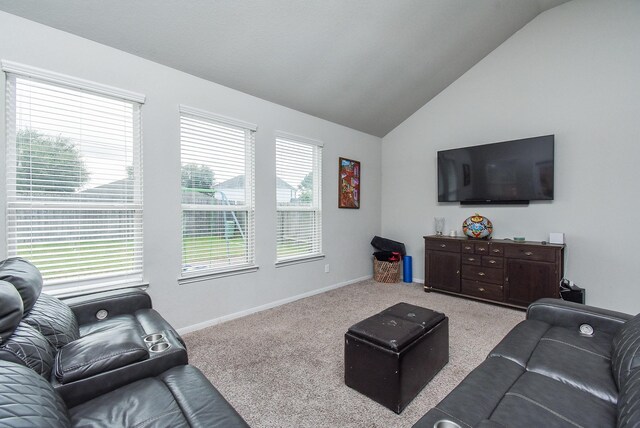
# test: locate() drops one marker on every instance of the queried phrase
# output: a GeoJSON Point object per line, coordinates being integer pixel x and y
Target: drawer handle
{"type": "Point", "coordinates": [471, 259]}
{"type": "Point", "coordinates": [528, 253]}
{"type": "Point", "coordinates": [467, 248]}
{"type": "Point", "coordinates": [496, 251]}
{"type": "Point", "coordinates": [481, 273]}
{"type": "Point", "coordinates": [480, 289]}
{"type": "Point", "coordinates": [492, 262]}
{"type": "Point", "coordinates": [443, 245]}
{"type": "Point", "coordinates": [482, 249]}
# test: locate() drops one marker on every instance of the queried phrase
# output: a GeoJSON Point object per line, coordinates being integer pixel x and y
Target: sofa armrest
{"type": "Point", "coordinates": [117, 302]}
{"type": "Point", "coordinates": [98, 353]}
{"type": "Point", "coordinates": [571, 315]}
{"type": "Point", "coordinates": [82, 390]}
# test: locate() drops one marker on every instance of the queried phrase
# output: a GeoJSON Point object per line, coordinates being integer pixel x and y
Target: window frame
{"type": "Point", "coordinates": [75, 284]}
{"type": "Point", "coordinates": [249, 206]}
{"type": "Point", "coordinates": [317, 146]}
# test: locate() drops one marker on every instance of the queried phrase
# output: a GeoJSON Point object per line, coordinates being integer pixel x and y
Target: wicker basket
{"type": "Point", "coordinates": [386, 271]}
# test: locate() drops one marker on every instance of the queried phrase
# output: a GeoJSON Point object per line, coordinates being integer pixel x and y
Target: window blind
{"type": "Point", "coordinates": [74, 181]}
{"type": "Point", "coordinates": [298, 199]}
{"type": "Point", "coordinates": [217, 180]}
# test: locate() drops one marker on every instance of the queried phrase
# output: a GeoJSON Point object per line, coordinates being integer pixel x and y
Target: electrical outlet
{"type": "Point", "coordinates": [326, 268]}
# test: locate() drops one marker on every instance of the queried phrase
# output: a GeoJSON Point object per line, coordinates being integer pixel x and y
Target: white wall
{"type": "Point", "coordinates": [574, 71]}
{"type": "Point", "coordinates": [346, 233]}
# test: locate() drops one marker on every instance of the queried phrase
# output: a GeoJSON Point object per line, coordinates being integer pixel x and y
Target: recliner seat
{"type": "Point", "coordinates": [87, 358]}
{"type": "Point", "coordinates": [549, 371]}
{"type": "Point", "coordinates": [179, 397]}
{"type": "Point", "coordinates": [40, 336]}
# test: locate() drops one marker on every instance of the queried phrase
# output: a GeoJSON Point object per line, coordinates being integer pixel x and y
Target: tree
{"type": "Point", "coordinates": [306, 189]}
{"type": "Point", "coordinates": [47, 164]}
{"type": "Point", "coordinates": [198, 178]}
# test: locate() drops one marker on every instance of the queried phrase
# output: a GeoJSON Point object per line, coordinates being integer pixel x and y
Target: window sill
{"type": "Point", "coordinates": [288, 262]}
{"type": "Point", "coordinates": [204, 276]}
{"type": "Point", "coordinates": [81, 290]}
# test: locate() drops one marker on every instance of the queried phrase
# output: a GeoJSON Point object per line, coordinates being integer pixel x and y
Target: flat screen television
{"type": "Point", "coordinates": [516, 171]}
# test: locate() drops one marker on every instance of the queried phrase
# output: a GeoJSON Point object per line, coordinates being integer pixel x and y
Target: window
{"type": "Point", "coordinates": [74, 177]}
{"type": "Point", "coordinates": [217, 178]}
{"type": "Point", "coordinates": [298, 198]}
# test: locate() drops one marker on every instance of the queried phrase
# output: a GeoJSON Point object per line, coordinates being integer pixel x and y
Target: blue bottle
{"type": "Point", "coordinates": [407, 269]}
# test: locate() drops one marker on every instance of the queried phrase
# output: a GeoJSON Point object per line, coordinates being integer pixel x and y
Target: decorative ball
{"type": "Point", "coordinates": [477, 227]}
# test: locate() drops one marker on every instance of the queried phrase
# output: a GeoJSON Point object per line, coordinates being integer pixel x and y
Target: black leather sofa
{"type": "Point", "coordinates": [566, 365]}
{"type": "Point", "coordinates": [107, 359]}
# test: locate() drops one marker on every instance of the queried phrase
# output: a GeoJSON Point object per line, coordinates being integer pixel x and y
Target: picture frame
{"type": "Point", "coordinates": [348, 183]}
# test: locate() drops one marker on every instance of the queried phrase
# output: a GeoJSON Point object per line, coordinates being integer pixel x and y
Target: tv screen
{"type": "Point", "coordinates": [509, 172]}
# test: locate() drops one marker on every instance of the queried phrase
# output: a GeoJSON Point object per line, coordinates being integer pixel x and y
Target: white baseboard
{"type": "Point", "coordinates": [225, 318]}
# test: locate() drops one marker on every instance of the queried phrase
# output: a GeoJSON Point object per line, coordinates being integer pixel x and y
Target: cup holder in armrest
{"type": "Point", "coordinates": [160, 347]}
{"type": "Point", "coordinates": [443, 423]}
{"type": "Point", "coordinates": [153, 338]}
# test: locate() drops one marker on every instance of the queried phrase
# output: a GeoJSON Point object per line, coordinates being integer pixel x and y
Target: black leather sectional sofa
{"type": "Point", "coordinates": [566, 365]}
{"type": "Point", "coordinates": [106, 359]}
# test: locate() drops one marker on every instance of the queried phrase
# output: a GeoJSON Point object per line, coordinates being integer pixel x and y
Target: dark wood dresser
{"type": "Point", "coordinates": [499, 271]}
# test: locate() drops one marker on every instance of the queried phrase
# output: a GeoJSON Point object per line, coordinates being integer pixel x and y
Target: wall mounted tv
{"type": "Point", "coordinates": [510, 172]}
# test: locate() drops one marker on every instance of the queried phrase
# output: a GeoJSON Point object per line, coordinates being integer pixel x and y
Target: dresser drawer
{"type": "Point", "coordinates": [471, 259]}
{"type": "Point", "coordinates": [483, 290]}
{"type": "Point", "coordinates": [496, 250]}
{"type": "Point", "coordinates": [481, 248]}
{"type": "Point", "coordinates": [530, 252]}
{"type": "Point", "coordinates": [485, 274]}
{"type": "Point", "coordinates": [467, 247]}
{"type": "Point", "coordinates": [442, 245]}
{"type": "Point", "coordinates": [496, 262]}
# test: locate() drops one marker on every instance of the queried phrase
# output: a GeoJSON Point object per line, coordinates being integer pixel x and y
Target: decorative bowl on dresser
{"type": "Point", "coordinates": [497, 270]}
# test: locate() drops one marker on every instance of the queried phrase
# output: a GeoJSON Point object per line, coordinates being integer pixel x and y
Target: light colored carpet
{"type": "Point", "coordinates": [284, 367]}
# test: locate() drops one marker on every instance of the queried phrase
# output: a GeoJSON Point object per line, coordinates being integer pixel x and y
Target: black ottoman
{"type": "Point", "coordinates": [391, 356]}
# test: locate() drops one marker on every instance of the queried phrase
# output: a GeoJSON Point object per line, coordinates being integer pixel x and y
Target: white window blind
{"type": "Point", "coordinates": [298, 196]}
{"type": "Point", "coordinates": [74, 181]}
{"type": "Point", "coordinates": [217, 178]}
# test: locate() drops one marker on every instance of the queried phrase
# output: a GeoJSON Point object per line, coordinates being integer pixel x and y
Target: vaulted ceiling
{"type": "Point", "coordinates": [365, 64]}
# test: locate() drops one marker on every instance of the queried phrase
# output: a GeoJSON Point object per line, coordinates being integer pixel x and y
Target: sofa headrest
{"type": "Point", "coordinates": [10, 310]}
{"type": "Point", "coordinates": [25, 277]}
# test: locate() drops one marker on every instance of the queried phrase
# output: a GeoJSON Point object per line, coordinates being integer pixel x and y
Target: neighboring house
{"type": "Point", "coordinates": [123, 187]}
{"type": "Point", "coordinates": [234, 187]}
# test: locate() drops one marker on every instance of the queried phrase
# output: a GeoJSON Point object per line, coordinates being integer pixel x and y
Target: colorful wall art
{"type": "Point", "coordinates": [348, 183]}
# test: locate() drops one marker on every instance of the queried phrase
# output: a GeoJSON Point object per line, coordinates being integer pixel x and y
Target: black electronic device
{"type": "Point", "coordinates": [510, 172]}
{"type": "Point", "coordinates": [573, 295]}
{"type": "Point", "coordinates": [571, 292]}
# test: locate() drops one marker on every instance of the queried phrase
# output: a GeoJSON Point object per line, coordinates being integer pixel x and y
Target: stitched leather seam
{"type": "Point", "coordinates": [20, 356]}
{"type": "Point", "coordinates": [626, 349]}
{"type": "Point", "coordinates": [553, 412]}
{"type": "Point", "coordinates": [453, 417]}
{"type": "Point", "coordinates": [155, 418]}
{"type": "Point", "coordinates": [100, 359]}
{"type": "Point", "coordinates": [536, 347]}
{"type": "Point", "coordinates": [575, 347]}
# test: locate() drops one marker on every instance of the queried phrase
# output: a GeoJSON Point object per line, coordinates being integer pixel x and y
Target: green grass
{"type": "Point", "coordinates": [78, 258]}
{"type": "Point", "coordinates": [81, 258]}
{"type": "Point", "coordinates": [211, 248]}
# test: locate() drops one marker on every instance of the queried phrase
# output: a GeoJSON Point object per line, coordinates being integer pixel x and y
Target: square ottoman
{"type": "Point", "coordinates": [391, 356]}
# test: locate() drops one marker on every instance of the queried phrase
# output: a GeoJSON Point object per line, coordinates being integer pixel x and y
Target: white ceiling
{"type": "Point", "coordinates": [366, 64]}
